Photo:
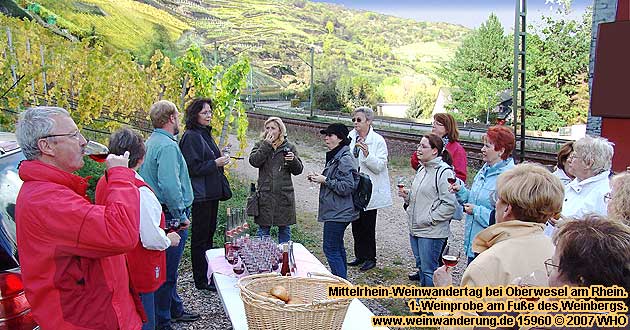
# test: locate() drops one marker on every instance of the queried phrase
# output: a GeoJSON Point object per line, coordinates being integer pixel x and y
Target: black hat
{"type": "Point", "coordinates": [337, 129]}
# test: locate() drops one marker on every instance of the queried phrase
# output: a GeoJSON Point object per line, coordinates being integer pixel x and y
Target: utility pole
{"type": "Point", "coordinates": [518, 79]}
{"type": "Point", "coordinates": [312, 67]}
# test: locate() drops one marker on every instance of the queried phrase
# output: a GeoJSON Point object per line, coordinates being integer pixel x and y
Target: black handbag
{"type": "Point", "coordinates": [226, 192]}
{"type": "Point", "coordinates": [252, 209]}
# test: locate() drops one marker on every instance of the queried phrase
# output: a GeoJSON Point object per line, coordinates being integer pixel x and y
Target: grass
{"type": "Point", "coordinates": [240, 191]}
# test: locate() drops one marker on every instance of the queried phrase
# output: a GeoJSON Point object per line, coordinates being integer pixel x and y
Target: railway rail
{"type": "Point", "coordinates": [473, 148]}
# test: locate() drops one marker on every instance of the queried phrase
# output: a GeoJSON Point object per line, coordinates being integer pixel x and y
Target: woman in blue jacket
{"type": "Point", "coordinates": [478, 202]}
{"type": "Point", "coordinates": [205, 164]}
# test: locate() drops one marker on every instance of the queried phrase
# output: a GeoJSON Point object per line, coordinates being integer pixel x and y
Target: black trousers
{"type": "Point", "coordinates": [204, 224]}
{"type": "Point", "coordinates": [364, 233]}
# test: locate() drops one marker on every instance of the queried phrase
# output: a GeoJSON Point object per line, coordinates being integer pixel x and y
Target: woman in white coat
{"type": "Point", "coordinates": [370, 151]}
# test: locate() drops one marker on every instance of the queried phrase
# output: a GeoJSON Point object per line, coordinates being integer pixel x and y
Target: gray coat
{"type": "Point", "coordinates": [276, 199]}
{"type": "Point", "coordinates": [335, 194]}
{"type": "Point", "coordinates": [430, 213]}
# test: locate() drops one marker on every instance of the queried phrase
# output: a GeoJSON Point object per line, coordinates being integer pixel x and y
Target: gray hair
{"type": "Point", "coordinates": [33, 124]}
{"type": "Point", "coordinates": [367, 111]}
{"type": "Point", "coordinates": [596, 152]}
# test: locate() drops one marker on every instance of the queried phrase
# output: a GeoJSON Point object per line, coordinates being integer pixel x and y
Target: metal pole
{"type": "Point", "coordinates": [312, 68]}
{"type": "Point", "coordinates": [12, 53]}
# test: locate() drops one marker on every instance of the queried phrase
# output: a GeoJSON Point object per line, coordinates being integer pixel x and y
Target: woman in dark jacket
{"type": "Point", "coordinates": [276, 160]}
{"type": "Point", "coordinates": [205, 167]}
{"type": "Point", "coordinates": [337, 183]}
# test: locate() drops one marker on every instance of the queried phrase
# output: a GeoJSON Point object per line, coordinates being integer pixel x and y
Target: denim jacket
{"type": "Point", "coordinates": [484, 184]}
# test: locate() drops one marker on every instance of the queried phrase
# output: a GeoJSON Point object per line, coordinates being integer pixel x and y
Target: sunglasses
{"type": "Point", "coordinates": [358, 120]}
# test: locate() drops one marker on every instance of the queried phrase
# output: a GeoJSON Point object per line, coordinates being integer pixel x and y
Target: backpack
{"type": "Point", "coordinates": [361, 196]}
{"type": "Point", "coordinates": [459, 208]}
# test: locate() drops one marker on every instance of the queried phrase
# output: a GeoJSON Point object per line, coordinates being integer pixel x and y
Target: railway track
{"type": "Point", "coordinates": [473, 148]}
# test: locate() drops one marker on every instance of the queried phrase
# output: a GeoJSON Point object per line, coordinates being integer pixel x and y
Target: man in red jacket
{"type": "Point", "coordinates": [74, 273]}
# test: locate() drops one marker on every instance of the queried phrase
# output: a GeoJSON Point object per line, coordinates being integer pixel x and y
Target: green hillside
{"type": "Point", "coordinates": [274, 34]}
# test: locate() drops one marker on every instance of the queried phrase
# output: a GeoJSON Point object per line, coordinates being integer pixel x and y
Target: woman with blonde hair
{"type": "Point", "coordinates": [619, 198]}
{"type": "Point", "coordinates": [276, 160]}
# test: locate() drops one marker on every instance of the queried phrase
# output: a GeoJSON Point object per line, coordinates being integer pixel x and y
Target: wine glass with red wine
{"type": "Point", "coordinates": [451, 180]}
{"type": "Point", "coordinates": [239, 267]}
{"type": "Point", "coordinates": [402, 182]}
{"type": "Point", "coordinates": [449, 258]}
{"type": "Point", "coordinates": [96, 151]}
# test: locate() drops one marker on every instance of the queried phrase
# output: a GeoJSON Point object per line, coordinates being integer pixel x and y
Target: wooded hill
{"type": "Point", "coordinates": [273, 34]}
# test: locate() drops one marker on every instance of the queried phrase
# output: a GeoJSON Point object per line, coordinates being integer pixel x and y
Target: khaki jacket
{"type": "Point", "coordinates": [508, 250]}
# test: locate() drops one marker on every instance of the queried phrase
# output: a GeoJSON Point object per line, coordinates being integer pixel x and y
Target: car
{"type": "Point", "coordinates": [15, 311]}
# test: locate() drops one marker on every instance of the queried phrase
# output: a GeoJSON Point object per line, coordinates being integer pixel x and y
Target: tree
{"type": "Point", "coordinates": [557, 65]}
{"type": "Point", "coordinates": [481, 67]}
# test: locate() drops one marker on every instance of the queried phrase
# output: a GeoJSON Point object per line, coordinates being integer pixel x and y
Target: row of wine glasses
{"type": "Point", "coordinates": [256, 255]}
{"type": "Point", "coordinates": [236, 225]}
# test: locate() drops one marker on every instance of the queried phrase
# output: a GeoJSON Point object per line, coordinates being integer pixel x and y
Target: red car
{"type": "Point", "coordinates": [15, 311]}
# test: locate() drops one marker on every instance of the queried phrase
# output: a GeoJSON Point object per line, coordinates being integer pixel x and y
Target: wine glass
{"type": "Point", "coordinates": [239, 267]}
{"type": "Point", "coordinates": [226, 152]}
{"type": "Point", "coordinates": [452, 180]}
{"type": "Point", "coordinates": [96, 151]}
{"type": "Point", "coordinates": [286, 150]}
{"type": "Point", "coordinates": [450, 259]}
{"type": "Point", "coordinates": [535, 278]}
{"type": "Point", "coordinates": [402, 182]}
{"type": "Point", "coordinates": [232, 257]}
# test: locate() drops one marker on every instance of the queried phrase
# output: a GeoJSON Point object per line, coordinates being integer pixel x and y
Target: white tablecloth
{"type": "Point", "coordinates": [358, 316]}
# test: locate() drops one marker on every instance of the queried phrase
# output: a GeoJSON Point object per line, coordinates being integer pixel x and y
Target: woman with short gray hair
{"type": "Point", "coordinates": [590, 163]}
{"type": "Point", "coordinates": [369, 151]}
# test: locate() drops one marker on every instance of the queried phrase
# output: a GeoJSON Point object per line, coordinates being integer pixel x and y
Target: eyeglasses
{"type": "Point", "coordinates": [205, 113]}
{"type": "Point", "coordinates": [549, 266]}
{"type": "Point", "coordinates": [75, 135]}
{"type": "Point", "coordinates": [437, 123]}
{"type": "Point", "coordinates": [358, 120]}
{"type": "Point", "coordinates": [607, 197]}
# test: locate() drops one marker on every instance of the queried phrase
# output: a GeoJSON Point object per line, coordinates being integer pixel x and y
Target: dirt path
{"type": "Point", "coordinates": [393, 250]}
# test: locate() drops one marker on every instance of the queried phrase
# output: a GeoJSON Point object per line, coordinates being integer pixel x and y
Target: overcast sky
{"type": "Point", "coordinates": [470, 13]}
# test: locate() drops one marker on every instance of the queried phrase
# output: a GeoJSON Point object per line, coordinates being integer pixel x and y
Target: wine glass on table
{"type": "Point", "coordinates": [239, 267]}
{"type": "Point", "coordinates": [449, 258]}
{"type": "Point", "coordinates": [232, 257]}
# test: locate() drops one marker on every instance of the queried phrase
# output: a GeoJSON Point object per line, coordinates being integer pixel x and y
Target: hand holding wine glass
{"type": "Point", "coordinates": [116, 160]}
{"type": "Point", "coordinates": [449, 258]}
{"type": "Point", "coordinates": [454, 186]}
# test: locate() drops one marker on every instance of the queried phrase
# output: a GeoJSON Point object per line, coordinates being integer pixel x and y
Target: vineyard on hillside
{"type": "Point", "coordinates": [93, 80]}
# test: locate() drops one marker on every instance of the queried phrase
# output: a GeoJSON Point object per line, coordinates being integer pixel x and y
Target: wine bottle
{"type": "Point", "coordinates": [285, 270]}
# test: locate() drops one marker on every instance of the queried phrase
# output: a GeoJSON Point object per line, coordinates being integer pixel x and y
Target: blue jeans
{"type": "Point", "coordinates": [149, 309]}
{"type": "Point", "coordinates": [167, 302]}
{"type": "Point", "coordinates": [427, 253]}
{"type": "Point", "coordinates": [284, 233]}
{"type": "Point", "coordinates": [333, 247]}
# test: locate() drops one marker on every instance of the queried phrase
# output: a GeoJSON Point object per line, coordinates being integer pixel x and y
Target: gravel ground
{"type": "Point", "coordinates": [392, 239]}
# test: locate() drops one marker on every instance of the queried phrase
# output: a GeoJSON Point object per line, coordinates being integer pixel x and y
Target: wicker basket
{"type": "Point", "coordinates": [267, 313]}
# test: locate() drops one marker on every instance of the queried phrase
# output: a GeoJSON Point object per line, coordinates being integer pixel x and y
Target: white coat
{"type": "Point", "coordinates": [586, 196]}
{"type": "Point", "coordinates": [375, 166]}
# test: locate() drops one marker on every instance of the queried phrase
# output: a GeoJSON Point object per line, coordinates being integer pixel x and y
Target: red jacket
{"type": "Point", "coordinates": [74, 272]}
{"type": "Point", "coordinates": [147, 268]}
{"type": "Point", "coordinates": [460, 160]}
